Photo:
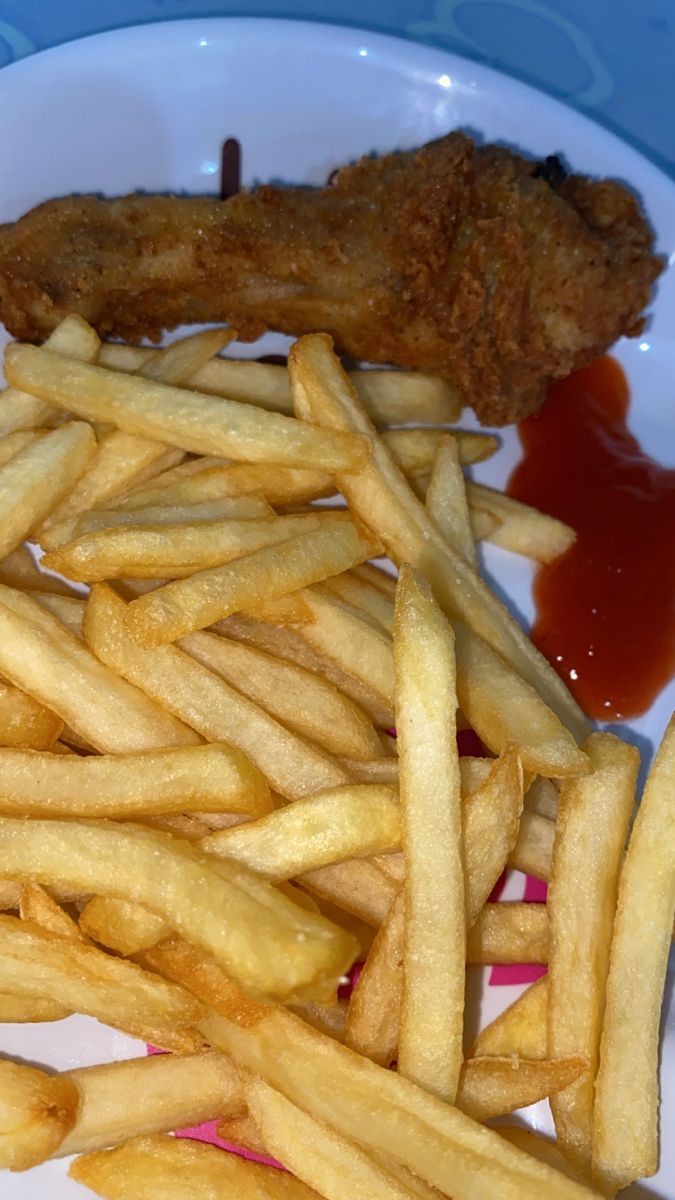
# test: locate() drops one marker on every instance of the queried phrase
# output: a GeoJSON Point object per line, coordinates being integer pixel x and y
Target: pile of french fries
{"type": "Point", "coordinates": [206, 819]}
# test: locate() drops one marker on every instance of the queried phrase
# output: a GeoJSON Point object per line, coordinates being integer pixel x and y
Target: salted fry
{"type": "Point", "coordinates": [36, 480]}
{"type": "Point", "coordinates": [518, 527]}
{"type": "Point", "coordinates": [491, 818]}
{"type": "Point", "coordinates": [363, 595]}
{"type": "Point", "coordinates": [24, 722]}
{"type": "Point", "coordinates": [434, 952]}
{"type": "Point", "coordinates": [511, 932]}
{"type": "Point", "coordinates": [520, 1030]}
{"type": "Point", "coordinates": [414, 449]}
{"type": "Point", "coordinates": [180, 360]}
{"type": "Point", "coordinates": [23, 1010]}
{"type": "Point", "coordinates": [446, 501]}
{"type": "Point", "coordinates": [358, 886]}
{"type": "Point", "coordinates": [374, 1014]}
{"type": "Point", "coordinates": [36, 905]}
{"type": "Point", "coordinates": [533, 850]}
{"type": "Point", "coordinates": [625, 1129]}
{"type": "Point", "coordinates": [19, 410]}
{"type": "Point", "coordinates": [214, 778]}
{"type": "Point", "coordinates": [594, 815]}
{"type": "Point", "coordinates": [492, 1087]}
{"type": "Point", "coordinates": [36, 1112]}
{"type": "Point", "coordinates": [278, 484]}
{"type": "Point", "coordinates": [122, 925]}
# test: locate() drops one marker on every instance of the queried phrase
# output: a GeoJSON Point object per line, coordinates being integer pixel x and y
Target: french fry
{"type": "Point", "coordinates": [20, 570]}
{"type": "Point", "coordinates": [122, 925]}
{"type": "Point", "coordinates": [278, 484]}
{"type": "Point", "coordinates": [174, 679]}
{"type": "Point", "coordinates": [285, 611]}
{"type": "Point", "coordinates": [542, 798]}
{"type": "Point", "coordinates": [625, 1127]}
{"type": "Point", "coordinates": [446, 501]}
{"type": "Point", "coordinates": [189, 604]}
{"type": "Point", "coordinates": [19, 410]}
{"type": "Point", "coordinates": [378, 577]}
{"type": "Point", "coordinates": [520, 1031]}
{"type": "Point", "coordinates": [181, 360]}
{"type": "Point", "coordinates": [373, 770]}
{"type": "Point", "coordinates": [155, 1094]}
{"type": "Point", "coordinates": [178, 1169]}
{"type": "Point", "coordinates": [434, 952]}
{"type": "Point", "coordinates": [69, 610]}
{"type": "Point", "coordinates": [214, 778]}
{"type": "Point", "coordinates": [39, 654]}
{"type": "Point", "coordinates": [243, 1133]}
{"type": "Point", "coordinates": [492, 1087]}
{"type": "Point", "coordinates": [24, 722]}
{"type": "Point", "coordinates": [325, 828]}
{"type": "Point", "coordinates": [357, 885]}
{"type": "Point", "coordinates": [16, 1009]}
{"type": "Point", "coordinates": [594, 815]}
{"type": "Point", "coordinates": [362, 595]}
{"type": "Point", "coordinates": [36, 480]}
{"type": "Point", "coordinates": [380, 496]}
{"type": "Point", "coordinates": [415, 449]}
{"type": "Point", "coordinates": [162, 551]}
{"type": "Point", "coordinates": [533, 850]}
{"type": "Point", "coordinates": [538, 1147]}
{"type": "Point", "coordinates": [511, 932]}
{"type": "Point", "coordinates": [301, 700]}
{"type": "Point", "coordinates": [518, 527]}
{"type": "Point", "coordinates": [491, 817]}
{"type": "Point", "coordinates": [330, 1019]}
{"type": "Point", "coordinates": [36, 905]}
{"type": "Point", "coordinates": [263, 938]}
{"type": "Point", "coordinates": [191, 421]}
{"type": "Point", "coordinates": [36, 1112]}
{"type": "Point", "coordinates": [374, 1014]}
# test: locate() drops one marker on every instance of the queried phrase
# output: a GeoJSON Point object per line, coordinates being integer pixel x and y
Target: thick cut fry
{"type": "Point", "coordinates": [155, 1094]}
{"type": "Point", "coordinates": [24, 722]}
{"type": "Point", "coordinates": [379, 1109]}
{"type": "Point", "coordinates": [510, 933]}
{"type": "Point", "coordinates": [148, 1168]}
{"type": "Point", "coordinates": [207, 702]}
{"type": "Point", "coordinates": [446, 501]}
{"type": "Point", "coordinates": [36, 905]}
{"type": "Point", "coordinates": [122, 925]}
{"type": "Point", "coordinates": [171, 551]}
{"type": "Point", "coordinates": [300, 699]}
{"type": "Point", "coordinates": [380, 496]}
{"type": "Point", "coordinates": [374, 1015]}
{"type": "Point", "coordinates": [520, 1031]}
{"type": "Point", "coordinates": [260, 936]}
{"type": "Point", "coordinates": [37, 963]}
{"type": "Point", "coordinates": [17, 1009]}
{"type": "Point", "coordinates": [432, 1008]}
{"type": "Point", "coordinates": [39, 655]}
{"type": "Point", "coordinates": [214, 778]}
{"type": "Point", "coordinates": [492, 1087]}
{"type": "Point", "coordinates": [36, 480]}
{"type": "Point", "coordinates": [189, 604]}
{"type": "Point", "coordinates": [311, 833]}
{"type": "Point", "coordinates": [594, 815]}
{"type": "Point", "coordinates": [533, 850]}
{"type": "Point", "coordinates": [36, 1112]}
{"type": "Point", "coordinates": [19, 410]}
{"type": "Point", "coordinates": [190, 420]}
{"type": "Point", "coordinates": [625, 1129]}
{"type": "Point", "coordinates": [520, 528]}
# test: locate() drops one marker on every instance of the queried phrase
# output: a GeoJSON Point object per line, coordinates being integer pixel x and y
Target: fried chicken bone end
{"type": "Point", "coordinates": [467, 262]}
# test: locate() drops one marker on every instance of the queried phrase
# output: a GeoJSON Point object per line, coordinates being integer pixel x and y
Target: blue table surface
{"type": "Point", "coordinates": [614, 59]}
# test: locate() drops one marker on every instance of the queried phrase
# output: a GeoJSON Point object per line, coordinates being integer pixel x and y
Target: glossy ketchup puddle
{"type": "Point", "coordinates": [606, 608]}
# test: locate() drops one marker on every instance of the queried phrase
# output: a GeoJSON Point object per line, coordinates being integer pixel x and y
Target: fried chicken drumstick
{"type": "Point", "coordinates": [468, 262]}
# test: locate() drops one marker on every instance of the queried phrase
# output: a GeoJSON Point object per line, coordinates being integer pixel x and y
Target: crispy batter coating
{"type": "Point", "coordinates": [469, 262]}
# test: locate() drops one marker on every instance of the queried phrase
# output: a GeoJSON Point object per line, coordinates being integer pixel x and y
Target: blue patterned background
{"type": "Point", "coordinates": [613, 58]}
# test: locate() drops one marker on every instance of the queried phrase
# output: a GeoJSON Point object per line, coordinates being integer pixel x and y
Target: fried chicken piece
{"type": "Point", "coordinates": [467, 262]}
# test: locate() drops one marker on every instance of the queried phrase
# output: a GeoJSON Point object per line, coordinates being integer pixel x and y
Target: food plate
{"type": "Point", "coordinates": [148, 108]}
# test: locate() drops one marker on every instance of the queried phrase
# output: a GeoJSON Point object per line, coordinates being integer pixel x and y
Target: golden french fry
{"type": "Point", "coordinates": [180, 360]}
{"type": "Point", "coordinates": [178, 1169]}
{"type": "Point", "coordinates": [174, 679]}
{"type": "Point", "coordinates": [594, 815]}
{"type": "Point", "coordinates": [36, 480]}
{"type": "Point", "coordinates": [434, 951]}
{"type": "Point", "coordinates": [36, 905]}
{"type": "Point", "coordinates": [24, 722]}
{"type": "Point", "coordinates": [358, 886]}
{"type": "Point", "coordinates": [243, 1133]}
{"type": "Point", "coordinates": [373, 770]}
{"type": "Point", "coordinates": [39, 654]}
{"type": "Point", "coordinates": [446, 501]}
{"type": "Point", "coordinates": [190, 604]}
{"type": "Point", "coordinates": [533, 850]}
{"type": "Point", "coordinates": [122, 925]}
{"type": "Point", "coordinates": [330, 1019]}
{"type": "Point", "coordinates": [378, 577]}
{"type": "Point", "coordinates": [23, 1010]}
{"type": "Point", "coordinates": [262, 937]}
{"type": "Point", "coordinates": [380, 496]}
{"type": "Point", "coordinates": [374, 1014]}
{"type": "Point", "coordinates": [363, 595]}
{"type": "Point", "coordinates": [511, 932]}
{"type": "Point", "coordinates": [625, 1128]}
{"type": "Point", "coordinates": [214, 778]}
{"type": "Point", "coordinates": [149, 1095]}
{"type": "Point", "coordinates": [491, 818]}
{"type": "Point", "coordinates": [520, 528]}
{"type": "Point", "coordinates": [491, 1087]}
{"type": "Point", "coordinates": [189, 420]}
{"type": "Point", "coordinates": [20, 570]}
{"type": "Point", "coordinates": [520, 1031]}
{"type": "Point", "coordinates": [13, 443]}
{"type": "Point", "coordinates": [19, 410]}
{"type": "Point", "coordinates": [278, 484]}
{"type": "Point", "coordinates": [285, 610]}
{"type": "Point", "coordinates": [36, 1112]}
{"type": "Point", "coordinates": [414, 449]}
{"type": "Point", "coordinates": [325, 828]}
{"type": "Point", "coordinates": [538, 1147]}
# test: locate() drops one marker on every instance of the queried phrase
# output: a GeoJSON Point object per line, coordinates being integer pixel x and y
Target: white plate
{"type": "Point", "coordinates": [149, 107]}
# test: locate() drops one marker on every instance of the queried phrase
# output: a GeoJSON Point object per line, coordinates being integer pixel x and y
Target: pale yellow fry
{"type": "Point", "coordinates": [175, 680]}
{"type": "Point", "coordinates": [214, 778]}
{"type": "Point", "coordinates": [358, 886]}
{"type": "Point", "coordinates": [19, 410]}
{"type": "Point", "coordinates": [169, 514]}
{"type": "Point", "coordinates": [148, 1168]}
{"type": "Point", "coordinates": [594, 815]}
{"type": "Point", "coordinates": [538, 1147]}
{"type": "Point", "coordinates": [36, 1112]}
{"type": "Point", "coordinates": [37, 963]}
{"type": "Point", "coordinates": [533, 850]}
{"type": "Point", "coordinates": [241, 1132]}
{"type": "Point", "coordinates": [492, 1087]}
{"type": "Point", "coordinates": [379, 578]}
{"type": "Point", "coordinates": [39, 654]}
{"type": "Point", "coordinates": [299, 699]}
{"type": "Point", "coordinates": [363, 595]}
{"type": "Point", "coordinates": [24, 1010]}
{"type": "Point", "coordinates": [69, 610]}
{"type": "Point", "coordinates": [148, 1095]}
{"type": "Point", "coordinates": [24, 722]}
{"type": "Point", "coordinates": [189, 420]}
{"type": "Point", "coordinates": [171, 551]}
{"type": "Point", "coordinates": [279, 485]}
{"type": "Point", "coordinates": [193, 603]}
{"type": "Point", "coordinates": [374, 1014]}
{"type": "Point", "coordinates": [511, 932]}
{"type": "Point", "coordinates": [122, 925]}
{"type": "Point", "coordinates": [491, 817]}
{"type": "Point", "coordinates": [520, 1030]}
{"type": "Point", "coordinates": [373, 770]}
{"type": "Point", "coordinates": [336, 1167]}
{"type": "Point", "coordinates": [625, 1130]}
{"type": "Point", "coordinates": [432, 1009]}
{"type": "Point", "coordinates": [520, 528]}
{"type": "Point", "coordinates": [180, 360]}
{"type": "Point", "coordinates": [414, 449]}
{"type": "Point", "coordinates": [38, 906]}
{"type": "Point", "coordinates": [381, 497]}
{"type": "Point", "coordinates": [325, 828]}
{"type": "Point", "coordinates": [13, 443]}
{"type": "Point", "coordinates": [36, 480]}
{"type": "Point", "coordinates": [446, 501]}
{"type": "Point", "coordinates": [260, 936]}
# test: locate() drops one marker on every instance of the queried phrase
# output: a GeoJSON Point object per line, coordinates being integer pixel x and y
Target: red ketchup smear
{"type": "Point", "coordinates": [605, 608]}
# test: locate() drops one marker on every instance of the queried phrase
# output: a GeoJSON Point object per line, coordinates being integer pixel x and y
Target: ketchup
{"type": "Point", "coordinates": [605, 608]}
